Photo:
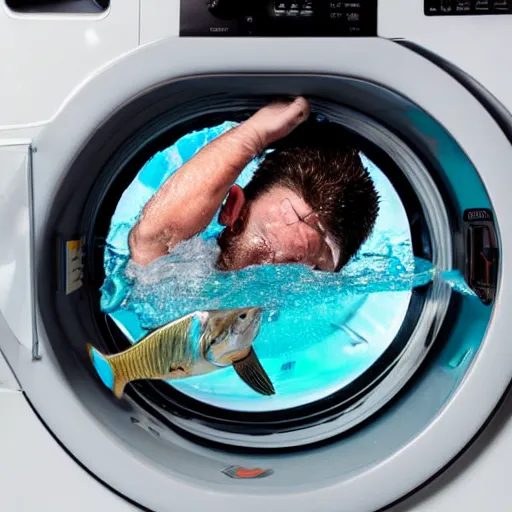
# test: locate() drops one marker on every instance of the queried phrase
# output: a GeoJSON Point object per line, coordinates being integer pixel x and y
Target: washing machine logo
{"type": "Point", "coordinates": [478, 214]}
{"type": "Point", "coordinates": [239, 472]}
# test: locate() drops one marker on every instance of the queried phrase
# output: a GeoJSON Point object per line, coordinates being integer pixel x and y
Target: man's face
{"type": "Point", "coordinates": [278, 227]}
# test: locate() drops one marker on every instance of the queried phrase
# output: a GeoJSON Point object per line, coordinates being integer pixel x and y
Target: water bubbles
{"type": "Point", "coordinates": [319, 330]}
{"type": "Point", "coordinates": [299, 304]}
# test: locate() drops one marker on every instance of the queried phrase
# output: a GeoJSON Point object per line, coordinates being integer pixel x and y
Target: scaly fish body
{"type": "Point", "coordinates": [195, 344]}
{"type": "Point", "coordinates": [164, 352]}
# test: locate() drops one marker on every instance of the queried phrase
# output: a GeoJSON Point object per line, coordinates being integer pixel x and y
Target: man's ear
{"type": "Point", "coordinates": [233, 206]}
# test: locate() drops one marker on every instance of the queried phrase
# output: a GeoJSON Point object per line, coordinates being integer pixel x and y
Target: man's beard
{"type": "Point", "coordinates": [236, 251]}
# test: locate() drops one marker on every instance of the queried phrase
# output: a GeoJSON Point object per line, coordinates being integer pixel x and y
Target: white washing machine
{"type": "Point", "coordinates": [88, 87]}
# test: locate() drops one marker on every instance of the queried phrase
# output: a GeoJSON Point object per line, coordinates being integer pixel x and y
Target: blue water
{"type": "Point", "coordinates": [103, 368]}
{"type": "Point", "coordinates": [319, 331]}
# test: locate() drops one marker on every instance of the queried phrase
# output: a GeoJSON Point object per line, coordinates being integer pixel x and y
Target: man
{"type": "Point", "coordinates": [308, 205]}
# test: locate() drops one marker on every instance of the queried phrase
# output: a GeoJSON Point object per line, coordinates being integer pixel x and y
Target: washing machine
{"type": "Point", "coordinates": [90, 90]}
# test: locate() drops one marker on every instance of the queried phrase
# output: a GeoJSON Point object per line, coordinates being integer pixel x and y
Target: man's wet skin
{"type": "Point", "coordinates": [277, 227]}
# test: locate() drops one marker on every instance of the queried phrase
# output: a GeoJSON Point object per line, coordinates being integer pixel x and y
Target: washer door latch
{"type": "Point", "coordinates": [482, 254]}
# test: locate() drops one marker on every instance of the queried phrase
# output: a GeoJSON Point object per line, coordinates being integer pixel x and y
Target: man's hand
{"type": "Point", "coordinates": [188, 200]}
{"type": "Point", "coordinates": [275, 121]}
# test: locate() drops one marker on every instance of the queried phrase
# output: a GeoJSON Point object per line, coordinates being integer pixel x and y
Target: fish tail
{"type": "Point", "coordinates": [105, 371]}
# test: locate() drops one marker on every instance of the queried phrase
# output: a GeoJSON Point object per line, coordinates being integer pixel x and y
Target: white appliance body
{"type": "Point", "coordinates": [54, 67]}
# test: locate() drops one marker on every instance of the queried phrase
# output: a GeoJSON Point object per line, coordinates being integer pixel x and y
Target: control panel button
{"type": "Point", "coordinates": [353, 16]}
{"type": "Point", "coordinates": [336, 11]}
{"type": "Point", "coordinates": [501, 5]}
{"type": "Point", "coordinates": [466, 7]}
{"type": "Point", "coordinates": [463, 6]}
{"type": "Point", "coordinates": [291, 8]}
{"type": "Point", "coordinates": [482, 5]}
{"type": "Point", "coordinates": [294, 9]}
{"type": "Point", "coordinates": [446, 5]}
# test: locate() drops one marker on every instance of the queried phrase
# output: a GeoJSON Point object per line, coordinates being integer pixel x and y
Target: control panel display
{"type": "Point", "coordinates": [278, 18]}
{"type": "Point", "coordinates": [467, 7]}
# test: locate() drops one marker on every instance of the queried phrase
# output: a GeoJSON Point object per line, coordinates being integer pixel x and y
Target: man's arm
{"type": "Point", "coordinates": [188, 200]}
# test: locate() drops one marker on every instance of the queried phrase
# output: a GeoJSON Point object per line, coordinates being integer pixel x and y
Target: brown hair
{"type": "Point", "coordinates": [332, 181]}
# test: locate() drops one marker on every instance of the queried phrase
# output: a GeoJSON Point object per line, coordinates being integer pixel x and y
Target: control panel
{"type": "Point", "coordinates": [278, 18]}
{"type": "Point", "coordinates": [467, 7]}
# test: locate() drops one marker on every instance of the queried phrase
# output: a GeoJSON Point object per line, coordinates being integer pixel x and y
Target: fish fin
{"type": "Point", "coordinates": [252, 373]}
{"type": "Point", "coordinates": [118, 388]}
{"type": "Point", "coordinates": [105, 371]}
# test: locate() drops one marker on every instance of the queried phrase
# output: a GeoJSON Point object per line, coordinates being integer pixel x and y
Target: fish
{"type": "Point", "coordinates": [195, 344]}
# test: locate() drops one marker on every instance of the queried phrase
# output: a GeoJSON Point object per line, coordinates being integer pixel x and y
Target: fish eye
{"type": "Point", "coordinates": [243, 316]}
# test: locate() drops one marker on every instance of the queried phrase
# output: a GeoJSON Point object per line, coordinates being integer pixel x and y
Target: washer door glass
{"type": "Point", "coordinates": [319, 332]}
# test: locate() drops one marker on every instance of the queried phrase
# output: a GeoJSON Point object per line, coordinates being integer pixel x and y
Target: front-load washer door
{"type": "Point", "coordinates": [141, 456]}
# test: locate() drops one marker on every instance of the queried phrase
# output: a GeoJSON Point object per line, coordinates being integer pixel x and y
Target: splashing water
{"type": "Point", "coordinates": [319, 330]}
{"type": "Point", "coordinates": [187, 281]}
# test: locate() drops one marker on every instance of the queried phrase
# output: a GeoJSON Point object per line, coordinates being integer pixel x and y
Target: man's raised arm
{"type": "Point", "coordinates": [186, 203]}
